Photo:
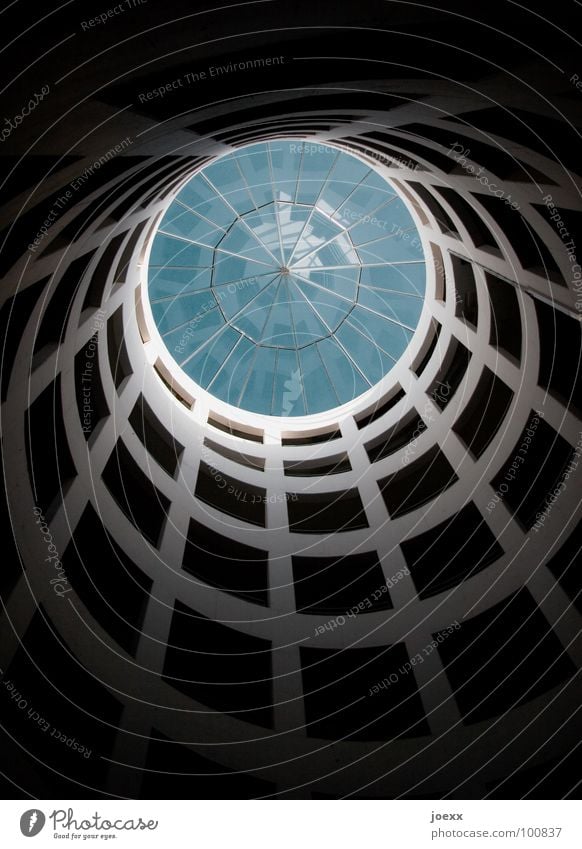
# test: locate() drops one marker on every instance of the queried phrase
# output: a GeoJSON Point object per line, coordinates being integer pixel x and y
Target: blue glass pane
{"type": "Point", "coordinates": [331, 308]}
{"type": "Point", "coordinates": [238, 240]}
{"type": "Point", "coordinates": [364, 351]}
{"type": "Point", "coordinates": [408, 277]}
{"type": "Point", "coordinates": [196, 192]}
{"type": "Point", "coordinates": [256, 169]}
{"type": "Point", "coordinates": [364, 201]}
{"type": "Point", "coordinates": [315, 168]}
{"type": "Point", "coordinates": [373, 180]}
{"type": "Point", "coordinates": [189, 309]}
{"type": "Point", "coordinates": [287, 277]}
{"type": "Point", "coordinates": [369, 229]}
{"type": "Point", "coordinates": [397, 215]}
{"type": "Point", "coordinates": [186, 339]}
{"type": "Point", "coordinates": [288, 394]}
{"type": "Point", "coordinates": [292, 222]}
{"type": "Point", "coordinates": [202, 199]}
{"type": "Point", "coordinates": [318, 231]}
{"type": "Point", "coordinates": [227, 179]}
{"type": "Point", "coordinates": [167, 250]}
{"type": "Point", "coordinates": [401, 308]}
{"type": "Point", "coordinates": [404, 248]}
{"type": "Point", "coordinates": [309, 328]}
{"type": "Point", "coordinates": [258, 393]}
{"type": "Point", "coordinates": [228, 383]}
{"type": "Point", "coordinates": [345, 376]}
{"type": "Point", "coordinates": [278, 330]}
{"type": "Point", "coordinates": [266, 223]}
{"type": "Point", "coordinates": [347, 173]}
{"type": "Point", "coordinates": [228, 269]}
{"type": "Point", "coordinates": [179, 221]}
{"type": "Point", "coordinates": [234, 297]}
{"type": "Point", "coordinates": [204, 365]}
{"type": "Point", "coordinates": [381, 331]}
{"type": "Point", "coordinates": [171, 282]}
{"type": "Point", "coordinates": [253, 317]}
{"type": "Point", "coordinates": [343, 282]}
{"type": "Point", "coordinates": [317, 387]}
{"type": "Point", "coordinates": [285, 161]}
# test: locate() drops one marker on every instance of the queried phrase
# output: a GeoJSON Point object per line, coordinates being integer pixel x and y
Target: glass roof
{"type": "Point", "coordinates": [286, 278]}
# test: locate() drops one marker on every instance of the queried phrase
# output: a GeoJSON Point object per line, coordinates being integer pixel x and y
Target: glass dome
{"type": "Point", "coordinates": [287, 278]}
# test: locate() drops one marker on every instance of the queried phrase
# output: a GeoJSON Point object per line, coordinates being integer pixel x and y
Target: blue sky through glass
{"type": "Point", "coordinates": [287, 279]}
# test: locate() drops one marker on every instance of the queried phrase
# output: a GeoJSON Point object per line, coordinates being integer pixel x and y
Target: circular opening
{"type": "Point", "coordinates": [287, 278]}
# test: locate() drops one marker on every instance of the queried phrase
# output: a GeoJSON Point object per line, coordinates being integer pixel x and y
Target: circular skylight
{"type": "Point", "coordinates": [287, 278]}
